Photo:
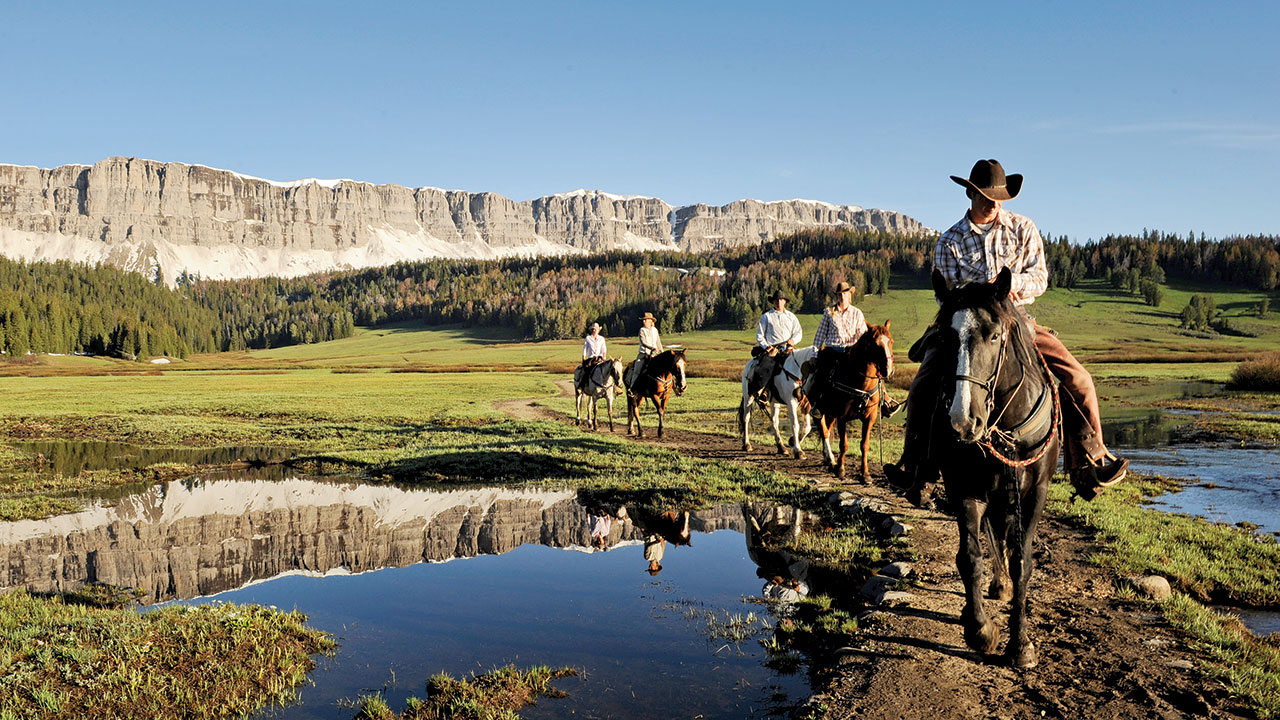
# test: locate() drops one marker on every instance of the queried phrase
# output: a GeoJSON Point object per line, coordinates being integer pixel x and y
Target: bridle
{"type": "Point", "coordinates": [989, 385]}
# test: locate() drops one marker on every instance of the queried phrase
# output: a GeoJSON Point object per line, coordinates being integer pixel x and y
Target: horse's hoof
{"type": "Point", "coordinates": [798, 454]}
{"type": "Point", "coordinates": [782, 450]}
{"type": "Point", "coordinates": [746, 448]}
{"type": "Point", "coordinates": [983, 638]}
{"type": "Point", "coordinates": [1023, 658]}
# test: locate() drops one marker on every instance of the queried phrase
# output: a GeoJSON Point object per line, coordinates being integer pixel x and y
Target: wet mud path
{"type": "Point", "coordinates": [1100, 657]}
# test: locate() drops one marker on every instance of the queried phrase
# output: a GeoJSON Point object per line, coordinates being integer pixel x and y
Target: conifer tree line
{"type": "Point", "coordinates": [64, 307]}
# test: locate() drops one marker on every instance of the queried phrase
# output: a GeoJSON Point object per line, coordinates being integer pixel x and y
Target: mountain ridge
{"type": "Point", "coordinates": [140, 214]}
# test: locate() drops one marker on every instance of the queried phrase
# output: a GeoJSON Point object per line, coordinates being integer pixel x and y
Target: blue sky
{"type": "Point", "coordinates": [1122, 116]}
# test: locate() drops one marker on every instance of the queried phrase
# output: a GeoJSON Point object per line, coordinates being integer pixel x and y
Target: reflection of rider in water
{"type": "Point", "coordinates": [768, 527]}
{"type": "Point", "coordinates": [660, 528]}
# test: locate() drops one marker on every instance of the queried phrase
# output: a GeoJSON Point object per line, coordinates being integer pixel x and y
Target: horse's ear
{"type": "Point", "coordinates": [940, 288]}
{"type": "Point", "coordinates": [886, 323]}
{"type": "Point", "coordinates": [1004, 281]}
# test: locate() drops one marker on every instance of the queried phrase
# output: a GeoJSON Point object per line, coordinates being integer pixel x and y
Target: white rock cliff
{"type": "Point", "coordinates": [137, 214]}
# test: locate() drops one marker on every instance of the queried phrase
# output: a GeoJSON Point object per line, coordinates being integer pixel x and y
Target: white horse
{"type": "Point", "coordinates": [605, 380]}
{"type": "Point", "coordinates": [782, 391]}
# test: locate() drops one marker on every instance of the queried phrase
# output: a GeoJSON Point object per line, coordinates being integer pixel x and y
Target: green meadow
{"type": "Point", "coordinates": [410, 404]}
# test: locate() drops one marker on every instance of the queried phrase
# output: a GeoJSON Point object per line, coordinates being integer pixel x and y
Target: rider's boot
{"type": "Point", "coordinates": [1092, 467]}
{"type": "Point", "coordinates": [1090, 480]}
{"type": "Point", "coordinates": [890, 407]}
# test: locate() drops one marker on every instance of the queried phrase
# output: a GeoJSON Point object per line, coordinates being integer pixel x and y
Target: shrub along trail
{"type": "Point", "coordinates": [1101, 655]}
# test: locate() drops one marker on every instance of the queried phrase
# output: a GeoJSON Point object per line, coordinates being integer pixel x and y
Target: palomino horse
{"type": "Point", "coordinates": [782, 391]}
{"type": "Point", "coordinates": [997, 465]}
{"type": "Point", "coordinates": [663, 373]}
{"type": "Point", "coordinates": [850, 386]}
{"type": "Point", "coordinates": [605, 379]}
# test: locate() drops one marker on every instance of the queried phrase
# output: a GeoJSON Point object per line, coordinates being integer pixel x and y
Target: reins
{"type": "Point", "coordinates": [1005, 438]}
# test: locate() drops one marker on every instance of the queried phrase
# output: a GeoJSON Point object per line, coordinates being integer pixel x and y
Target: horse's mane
{"type": "Point", "coordinates": [665, 361]}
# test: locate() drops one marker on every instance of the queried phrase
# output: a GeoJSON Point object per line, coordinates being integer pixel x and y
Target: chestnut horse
{"type": "Point", "coordinates": [850, 384]}
{"type": "Point", "coordinates": [663, 373]}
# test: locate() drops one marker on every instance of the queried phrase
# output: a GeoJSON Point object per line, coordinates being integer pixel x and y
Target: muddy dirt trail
{"type": "Point", "coordinates": [1100, 657]}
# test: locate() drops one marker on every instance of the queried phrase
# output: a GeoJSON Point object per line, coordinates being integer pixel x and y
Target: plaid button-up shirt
{"type": "Point", "coordinates": [965, 254]}
{"type": "Point", "coordinates": [839, 328]}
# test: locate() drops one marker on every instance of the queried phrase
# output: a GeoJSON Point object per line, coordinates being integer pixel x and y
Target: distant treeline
{"type": "Point", "coordinates": [64, 307]}
{"type": "Point", "coordinates": [558, 297]}
{"type": "Point", "coordinates": [1251, 261]}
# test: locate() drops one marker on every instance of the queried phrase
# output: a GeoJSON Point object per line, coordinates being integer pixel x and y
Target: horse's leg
{"type": "Point", "coordinates": [979, 632]}
{"type": "Point", "coordinates": [1021, 652]}
{"type": "Point", "coordinates": [867, 422]}
{"type": "Point", "coordinates": [744, 421]}
{"type": "Point", "coordinates": [577, 407]}
{"type": "Point", "coordinates": [633, 414]}
{"type": "Point", "coordinates": [660, 402]}
{"type": "Point", "coordinates": [608, 399]}
{"type": "Point", "coordinates": [595, 406]}
{"type": "Point", "coordinates": [774, 410]}
{"type": "Point", "coordinates": [825, 426]}
{"type": "Point", "coordinates": [793, 406]}
{"type": "Point", "coordinates": [842, 427]}
{"type": "Point", "coordinates": [1001, 587]}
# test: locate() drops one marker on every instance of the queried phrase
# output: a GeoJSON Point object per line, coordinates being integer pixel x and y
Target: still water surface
{"type": "Point", "coordinates": [415, 582]}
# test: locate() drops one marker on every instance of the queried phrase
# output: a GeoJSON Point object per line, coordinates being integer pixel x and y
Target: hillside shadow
{"type": "Point", "coordinates": [484, 466]}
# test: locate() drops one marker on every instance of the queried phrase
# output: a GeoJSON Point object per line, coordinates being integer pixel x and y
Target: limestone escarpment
{"type": "Point", "coordinates": [138, 214]}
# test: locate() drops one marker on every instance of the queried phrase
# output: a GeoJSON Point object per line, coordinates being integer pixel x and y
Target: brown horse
{"type": "Point", "coordinates": [850, 382]}
{"type": "Point", "coordinates": [663, 373]}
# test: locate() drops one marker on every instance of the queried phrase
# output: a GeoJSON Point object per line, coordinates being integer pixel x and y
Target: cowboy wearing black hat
{"type": "Point", "coordinates": [776, 334]}
{"type": "Point", "coordinates": [986, 240]}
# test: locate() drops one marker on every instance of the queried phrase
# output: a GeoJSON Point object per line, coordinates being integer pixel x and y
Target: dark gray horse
{"type": "Point", "coordinates": [997, 462]}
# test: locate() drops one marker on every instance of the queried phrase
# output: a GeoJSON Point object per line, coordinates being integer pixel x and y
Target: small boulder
{"type": "Point", "coordinates": [896, 569]}
{"type": "Point", "coordinates": [875, 585]}
{"type": "Point", "coordinates": [1151, 586]}
{"type": "Point", "coordinates": [890, 597]}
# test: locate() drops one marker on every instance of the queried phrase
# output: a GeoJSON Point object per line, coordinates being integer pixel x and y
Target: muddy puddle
{"type": "Point", "coordinates": [652, 607]}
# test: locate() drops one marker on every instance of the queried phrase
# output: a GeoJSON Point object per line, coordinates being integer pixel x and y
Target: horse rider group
{"type": "Point", "coordinates": [593, 349]}
{"type": "Point", "coordinates": [986, 240]}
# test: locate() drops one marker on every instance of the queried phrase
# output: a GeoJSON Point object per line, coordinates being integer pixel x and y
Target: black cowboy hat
{"type": "Point", "coordinates": [778, 294]}
{"type": "Point", "coordinates": [987, 177]}
{"type": "Point", "coordinates": [842, 287]}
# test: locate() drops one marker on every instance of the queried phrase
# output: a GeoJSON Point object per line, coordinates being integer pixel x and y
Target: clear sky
{"type": "Point", "coordinates": [1122, 116]}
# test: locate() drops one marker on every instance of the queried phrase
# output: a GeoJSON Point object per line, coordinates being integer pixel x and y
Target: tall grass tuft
{"type": "Point", "coordinates": [1261, 373]}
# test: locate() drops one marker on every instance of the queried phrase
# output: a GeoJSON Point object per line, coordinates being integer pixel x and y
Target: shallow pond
{"type": "Point", "coordinates": [414, 582]}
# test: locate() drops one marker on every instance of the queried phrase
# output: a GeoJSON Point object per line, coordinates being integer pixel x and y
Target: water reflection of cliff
{"type": "Point", "coordinates": [183, 540]}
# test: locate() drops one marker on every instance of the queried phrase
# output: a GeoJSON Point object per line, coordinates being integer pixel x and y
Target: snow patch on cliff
{"type": "Point", "coordinates": [239, 261]}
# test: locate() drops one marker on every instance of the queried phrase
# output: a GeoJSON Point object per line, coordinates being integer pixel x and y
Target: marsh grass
{"type": "Point", "coordinates": [1259, 374]}
{"type": "Point", "coordinates": [62, 659]}
{"type": "Point", "coordinates": [1248, 666]}
{"type": "Point", "coordinates": [495, 695]}
{"type": "Point", "coordinates": [1208, 561]}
